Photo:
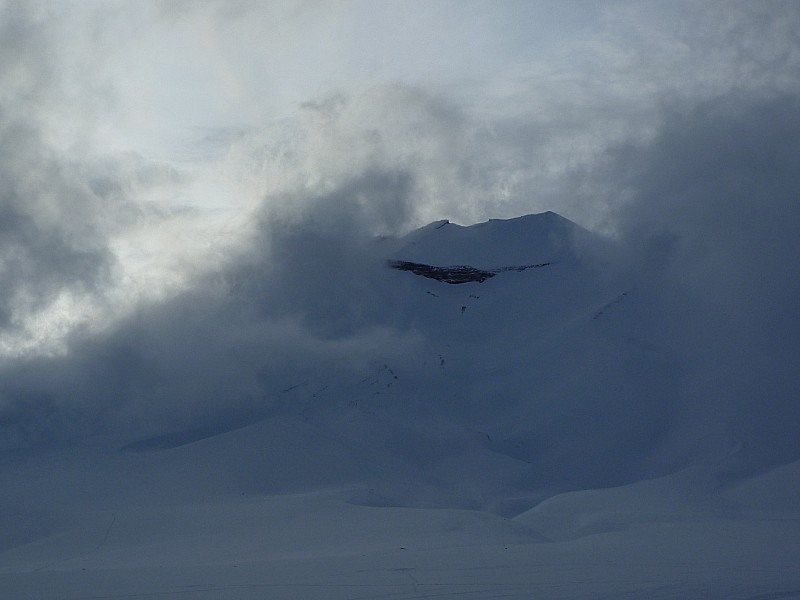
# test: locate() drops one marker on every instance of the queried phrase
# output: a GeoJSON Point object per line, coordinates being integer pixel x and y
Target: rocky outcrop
{"type": "Point", "coordinates": [457, 273]}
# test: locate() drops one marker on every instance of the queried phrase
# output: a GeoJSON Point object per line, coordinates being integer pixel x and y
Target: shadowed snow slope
{"type": "Point", "coordinates": [493, 438]}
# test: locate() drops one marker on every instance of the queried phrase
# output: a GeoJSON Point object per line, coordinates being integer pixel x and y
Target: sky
{"type": "Point", "coordinates": [153, 152]}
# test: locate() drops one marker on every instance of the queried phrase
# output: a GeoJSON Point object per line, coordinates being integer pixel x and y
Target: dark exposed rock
{"type": "Point", "coordinates": [456, 273]}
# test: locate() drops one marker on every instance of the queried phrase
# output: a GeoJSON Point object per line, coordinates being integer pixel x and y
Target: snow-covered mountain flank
{"type": "Point", "coordinates": [501, 410]}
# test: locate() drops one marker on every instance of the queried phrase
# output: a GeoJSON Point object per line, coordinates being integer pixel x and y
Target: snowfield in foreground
{"type": "Point", "coordinates": [538, 433]}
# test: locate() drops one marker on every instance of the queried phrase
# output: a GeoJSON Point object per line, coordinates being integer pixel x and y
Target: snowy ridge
{"type": "Point", "coordinates": [532, 239]}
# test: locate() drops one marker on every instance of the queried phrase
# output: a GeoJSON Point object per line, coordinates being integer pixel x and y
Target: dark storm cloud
{"type": "Point", "coordinates": [316, 260]}
{"type": "Point", "coordinates": [298, 308]}
{"type": "Point", "coordinates": [710, 231]}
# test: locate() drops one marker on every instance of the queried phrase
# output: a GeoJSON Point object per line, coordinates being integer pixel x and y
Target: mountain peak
{"type": "Point", "coordinates": [493, 245]}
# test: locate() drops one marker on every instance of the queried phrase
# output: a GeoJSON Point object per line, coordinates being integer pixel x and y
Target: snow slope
{"type": "Point", "coordinates": [530, 440]}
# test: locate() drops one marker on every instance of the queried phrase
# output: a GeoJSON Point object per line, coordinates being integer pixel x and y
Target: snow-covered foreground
{"type": "Point", "coordinates": [655, 539]}
{"type": "Point", "coordinates": [544, 431]}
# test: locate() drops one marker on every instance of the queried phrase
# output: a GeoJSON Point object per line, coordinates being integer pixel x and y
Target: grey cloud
{"type": "Point", "coordinates": [315, 261]}
{"type": "Point", "coordinates": [26, 65]}
{"type": "Point", "coordinates": [225, 348]}
{"type": "Point", "coordinates": [47, 236]}
{"type": "Point", "coordinates": [209, 358]}
{"type": "Point", "coordinates": [59, 204]}
{"type": "Point", "coordinates": [710, 229]}
{"type": "Point", "coordinates": [222, 351]}
{"type": "Point", "coordinates": [393, 128]}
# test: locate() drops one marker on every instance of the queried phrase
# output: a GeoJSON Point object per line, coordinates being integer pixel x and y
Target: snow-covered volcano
{"type": "Point", "coordinates": [517, 427]}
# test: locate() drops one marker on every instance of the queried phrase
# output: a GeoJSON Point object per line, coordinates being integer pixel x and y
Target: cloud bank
{"type": "Point", "coordinates": [711, 230]}
{"type": "Point", "coordinates": [673, 128]}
